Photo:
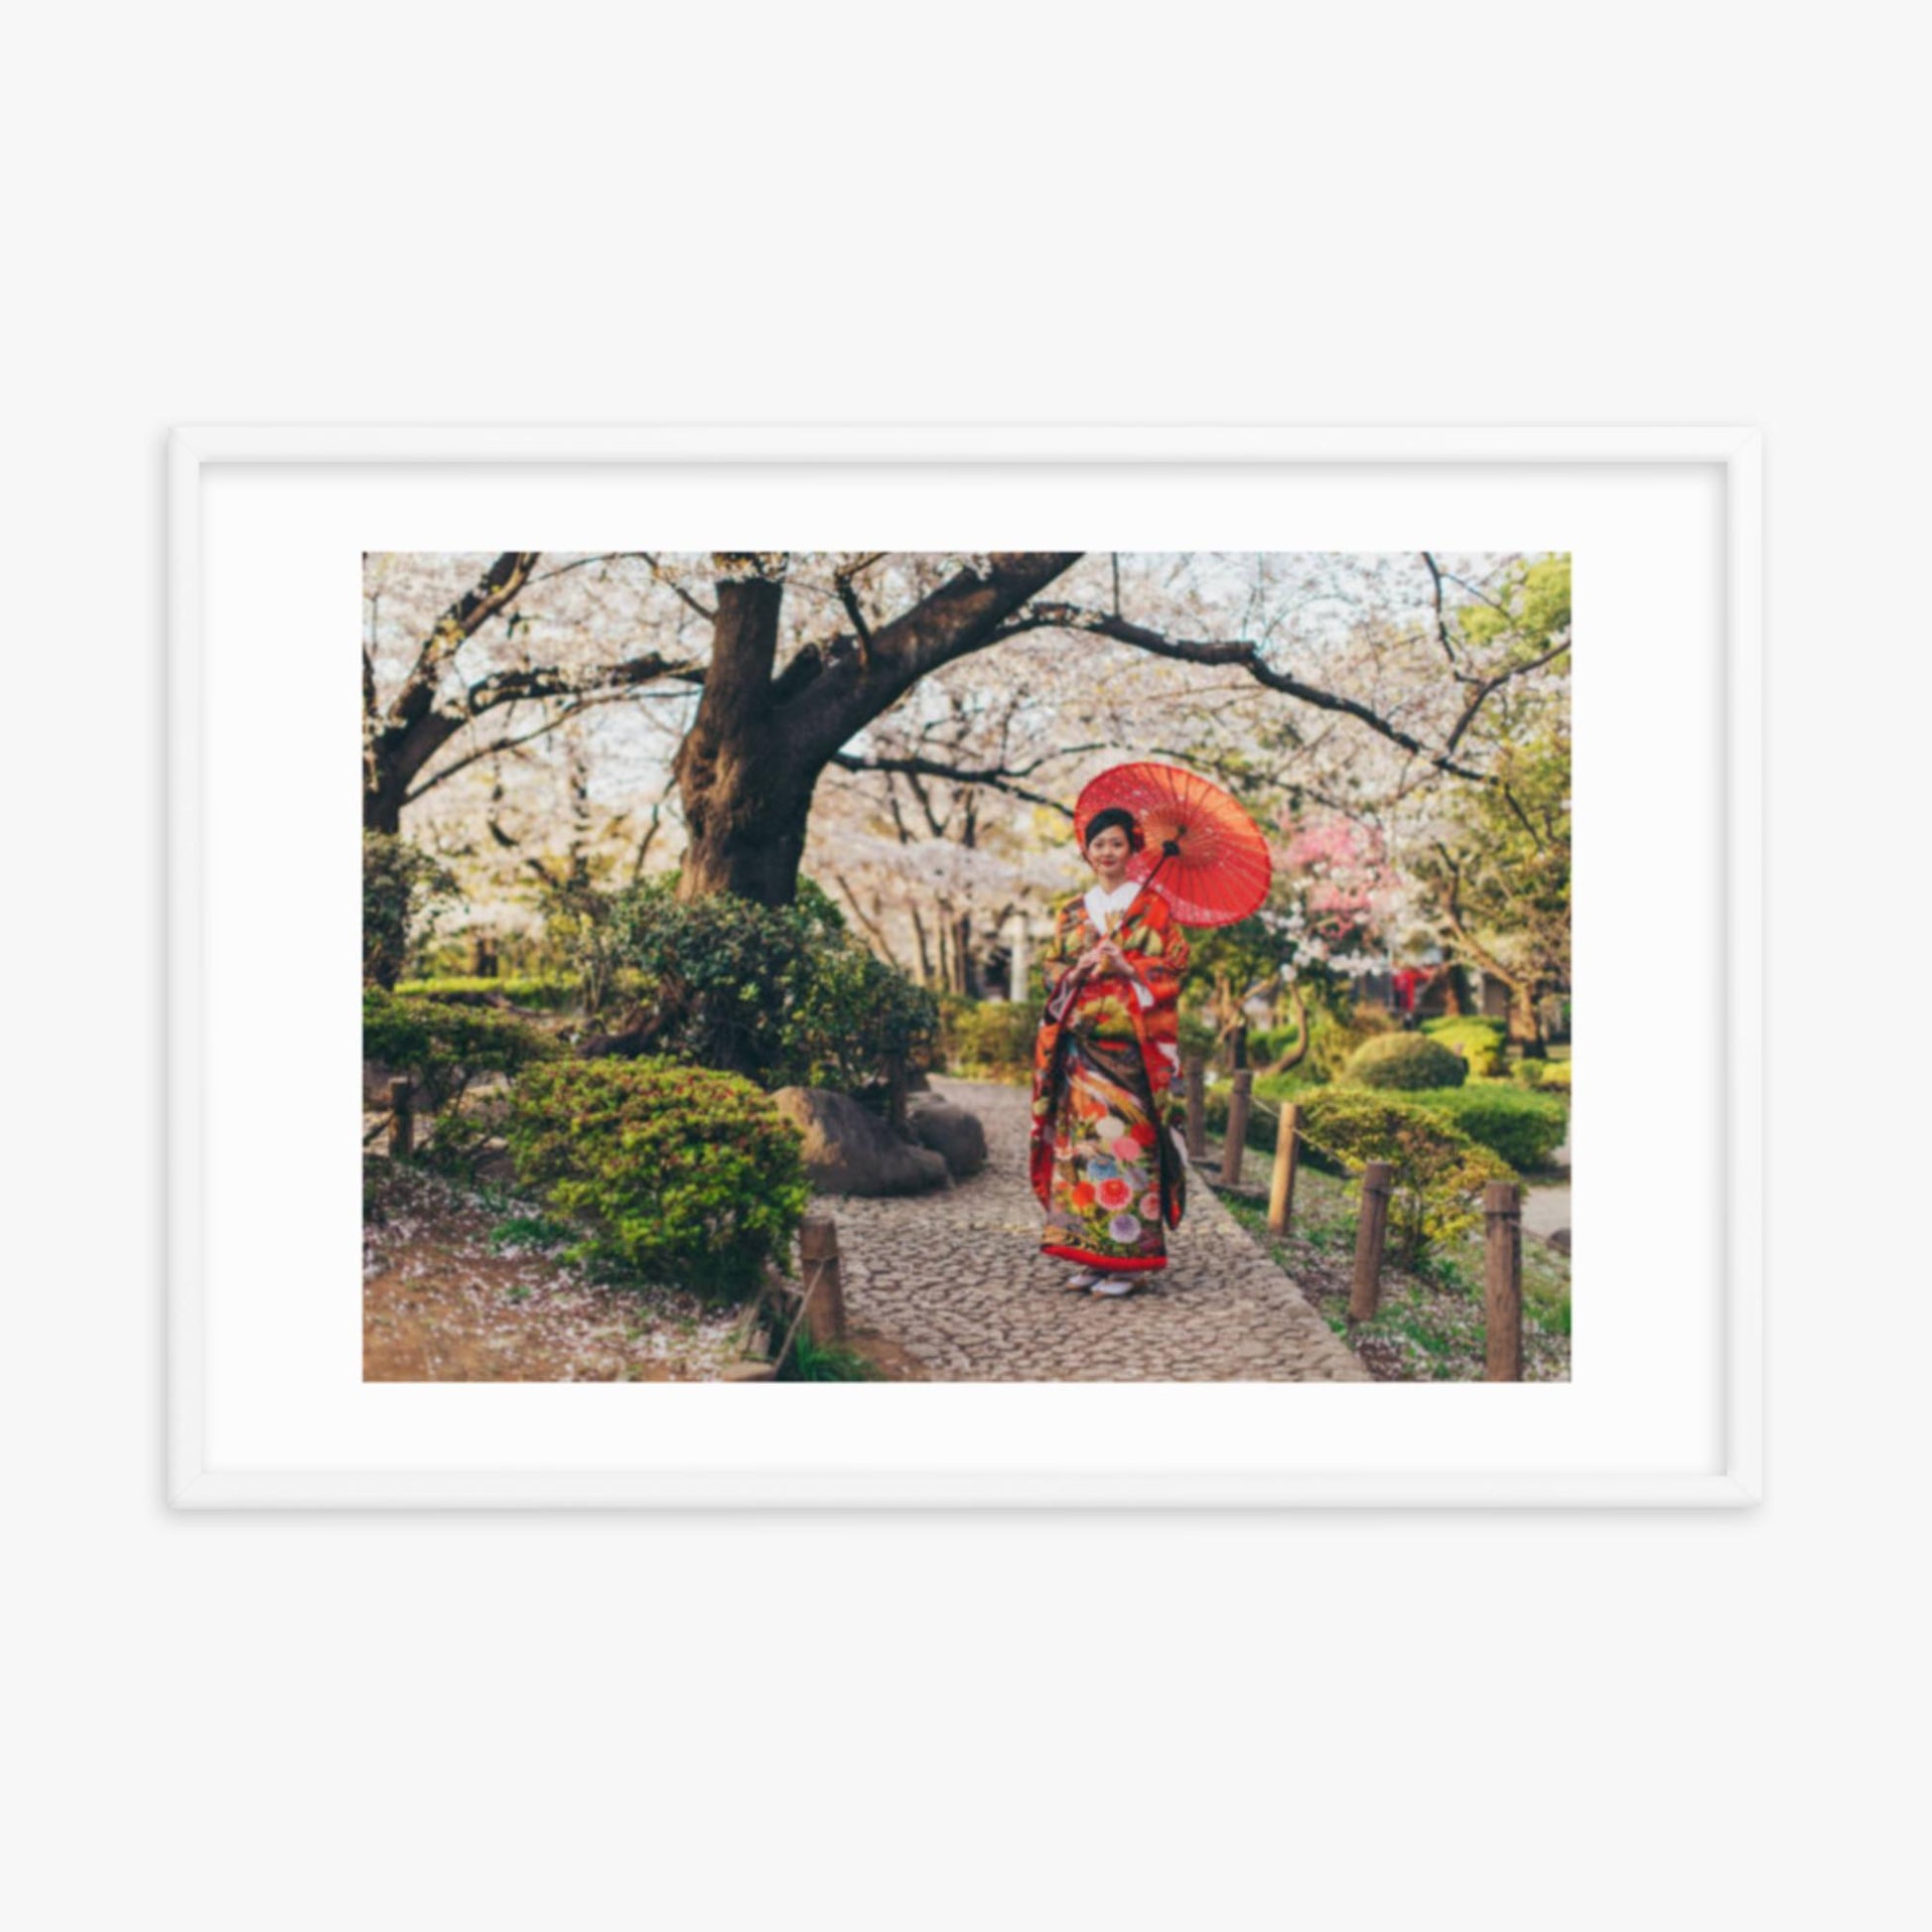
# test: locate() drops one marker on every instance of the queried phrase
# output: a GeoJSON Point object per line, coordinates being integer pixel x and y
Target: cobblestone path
{"type": "Point", "coordinates": [956, 1277]}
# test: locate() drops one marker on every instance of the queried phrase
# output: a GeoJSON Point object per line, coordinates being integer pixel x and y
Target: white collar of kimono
{"type": "Point", "coordinates": [1100, 903]}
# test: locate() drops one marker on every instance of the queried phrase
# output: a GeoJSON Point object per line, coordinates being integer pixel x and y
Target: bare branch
{"type": "Point", "coordinates": [865, 919]}
{"type": "Point", "coordinates": [1441, 615]}
{"type": "Point", "coordinates": [1247, 654]}
{"type": "Point", "coordinates": [912, 769]}
{"type": "Point", "coordinates": [677, 590]}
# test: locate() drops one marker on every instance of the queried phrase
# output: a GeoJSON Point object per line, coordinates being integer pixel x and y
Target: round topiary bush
{"type": "Point", "coordinates": [1479, 1041]}
{"type": "Point", "coordinates": [1404, 1060]}
{"type": "Point", "coordinates": [1440, 1171]}
{"type": "Point", "coordinates": [679, 1174]}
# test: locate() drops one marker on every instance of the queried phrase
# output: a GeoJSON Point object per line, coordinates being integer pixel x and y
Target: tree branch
{"type": "Point", "coordinates": [964, 615]}
{"type": "Point", "coordinates": [909, 768]}
{"type": "Point", "coordinates": [1442, 618]}
{"type": "Point", "coordinates": [1247, 654]}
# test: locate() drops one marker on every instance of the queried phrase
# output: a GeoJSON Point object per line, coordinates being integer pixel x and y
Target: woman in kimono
{"type": "Point", "coordinates": [1106, 1161]}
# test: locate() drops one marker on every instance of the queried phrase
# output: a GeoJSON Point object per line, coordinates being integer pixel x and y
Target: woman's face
{"type": "Point", "coordinates": [1108, 852]}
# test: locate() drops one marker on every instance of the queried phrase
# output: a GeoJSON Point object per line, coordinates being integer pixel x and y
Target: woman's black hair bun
{"type": "Point", "coordinates": [1114, 815]}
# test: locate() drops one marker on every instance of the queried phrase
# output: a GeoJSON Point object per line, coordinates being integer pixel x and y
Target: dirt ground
{"type": "Point", "coordinates": [460, 1286]}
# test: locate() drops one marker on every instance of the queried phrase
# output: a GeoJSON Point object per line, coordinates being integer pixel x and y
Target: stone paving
{"type": "Point", "coordinates": [956, 1277]}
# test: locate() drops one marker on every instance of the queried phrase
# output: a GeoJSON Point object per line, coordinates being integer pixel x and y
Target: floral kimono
{"type": "Point", "coordinates": [1106, 1162]}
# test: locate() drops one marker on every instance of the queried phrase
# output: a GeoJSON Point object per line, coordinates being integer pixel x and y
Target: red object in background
{"type": "Point", "coordinates": [1406, 981]}
{"type": "Point", "coordinates": [1219, 869]}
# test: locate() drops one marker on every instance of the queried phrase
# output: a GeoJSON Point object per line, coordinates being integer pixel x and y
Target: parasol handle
{"type": "Point", "coordinates": [1169, 849]}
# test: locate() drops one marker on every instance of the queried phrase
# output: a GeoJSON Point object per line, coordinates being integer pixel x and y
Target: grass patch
{"type": "Point", "coordinates": [830, 1362]}
{"type": "Point", "coordinates": [537, 1231]}
{"type": "Point", "coordinates": [1429, 1326]}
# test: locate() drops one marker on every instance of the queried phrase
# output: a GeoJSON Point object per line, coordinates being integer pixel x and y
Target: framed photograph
{"type": "Point", "coordinates": [884, 1016]}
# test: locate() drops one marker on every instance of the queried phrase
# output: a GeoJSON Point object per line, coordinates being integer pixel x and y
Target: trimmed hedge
{"type": "Point", "coordinates": [1541, 1075]}
{"type": "Point", "coordinates": [1271, 1089]}
{"type": "Point", "coordinates": [446, 1046]}
{"type": "Point", "coordinates": [1480, 1042]}
{"type": "Point", "coordinates": [1334, 1041]}
{"type": "Point", "coordinates": [550, 992]}
{"type": "Point", "coordinates": [1440, 1171]}
{"type": "Point", "coordinates": [1403, 1060]}
{"type": "Point", "coordinates": [679, 1174]}
{"type": "Point", "coordinates": [1525, 1128]}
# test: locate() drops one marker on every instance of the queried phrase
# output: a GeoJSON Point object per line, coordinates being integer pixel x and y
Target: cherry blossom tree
{"type": "Point", "coordinates": [728, 711]}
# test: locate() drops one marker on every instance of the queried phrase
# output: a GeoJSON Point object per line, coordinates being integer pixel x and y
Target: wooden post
{"type": "Point", "coordinates": [1236, 1142]}
{"type": "Point", "coordinates": [896, 1090]}
{"type": "Point", "coordinates": [403, 1117]}
{"type": "Point", "coordinates": [1365, 1292]}
{"type": "Point", "coordinates": [818, 1262]}
{"type": "Point", "coordinates": [1196, 1107]}
{"type": "Point", "coordinates": [1502, 1207]}
{"type": "Point", "coordinates": [1280, 1189]}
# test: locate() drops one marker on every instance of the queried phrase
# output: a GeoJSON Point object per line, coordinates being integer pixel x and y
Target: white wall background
{"type": "Point", "coordinates": [1511, 213]}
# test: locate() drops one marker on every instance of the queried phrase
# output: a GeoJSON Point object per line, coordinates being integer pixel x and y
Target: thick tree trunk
{"type": "Point", "coordinates": [398, 759]}
{"type": "Point", "coordinates": [1526, 1020]}
{"type": "Point", "coordinates": [749, 766]}
{"type": "Point", "coordinates": [745, 804]}
{"type": "Point", "coordinates": [746, 838]}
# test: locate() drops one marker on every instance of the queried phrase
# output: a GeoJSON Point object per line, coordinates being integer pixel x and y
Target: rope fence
{"type": "Point", "coordinates": [1503, 1208]}
{"type": "Point", "coordinates": [817, 1305]}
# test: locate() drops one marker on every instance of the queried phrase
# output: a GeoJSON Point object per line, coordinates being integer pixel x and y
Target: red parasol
{"type": "Point", "coordinates": [1211, 857]}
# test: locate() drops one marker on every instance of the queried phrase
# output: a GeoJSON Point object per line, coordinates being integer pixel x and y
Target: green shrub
{"type": "Point", "coordinates": [547, 992]}
{"type": "Point", "coordinates": [1195, 1035]}
{"type": "Point", "coordinates": [1480, 1042]}
{"type": "Point", "coordinates": [825, 1361]}
{"type": "Point", "coordinates": [1403, 1060]}
{"type": "Point", "coordinates": [442, 1047]}
{"type": "Point", "coordinates": [1440, 1172]}
{"type": "Point", "coordinates": [1525, 1128]}
{"type": "Point", "coordinates": [1269, 1043]}
{"type": "Point", "coordinates": [785, 994]}
{"type": "Point", "coordinates": [679, 1174]}
{"type": "Point", "coordinates": [1272, 1090]}
{"type": "Point", "coordinates": [853, 1013]}
{"type": "Point", "coordinates": [1333, 1038]}
{"type": "Point", "coordinates": [1541, 1075]}
{"type": "Point", "coordinates": [404, 891]}
{"type": "Point", "coordinates": [454, 1146]}
{"type": "Point", "coordinates": [987, 1037]}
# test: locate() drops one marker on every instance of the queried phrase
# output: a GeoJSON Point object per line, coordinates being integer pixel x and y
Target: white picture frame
{"type": "Point", "coordinates": [234, 1384]}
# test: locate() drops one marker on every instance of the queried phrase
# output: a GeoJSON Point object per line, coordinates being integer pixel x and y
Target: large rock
{"type": "Point", "coordinates": [950, 1131]}
{"type": "Point", "coordinates": [849, 1150]}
